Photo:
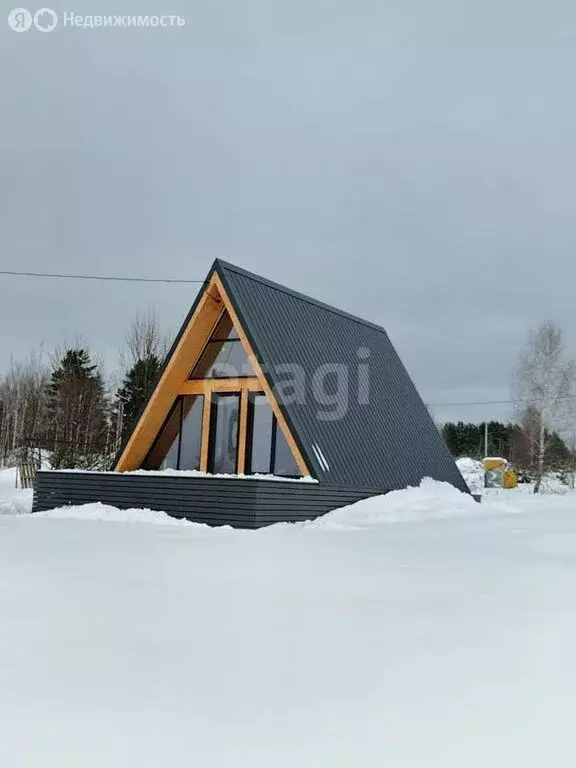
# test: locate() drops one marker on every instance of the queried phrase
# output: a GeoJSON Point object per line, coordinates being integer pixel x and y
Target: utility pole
{"type": "Point", "coordinates": [485, 439]}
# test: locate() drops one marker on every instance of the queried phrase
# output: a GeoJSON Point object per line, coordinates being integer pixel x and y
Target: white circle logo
{"type": "Point", "coordinates": [45, 20]}
{"type": "Point", "coordinates": [19, 20]}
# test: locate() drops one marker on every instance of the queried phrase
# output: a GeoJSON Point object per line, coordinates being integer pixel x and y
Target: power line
{"type": "Point", "coordinates": [100, 277]}
{"type": "Point", "coordinates": [177, 281]}
{"type": "Point", "coordinates": [490, 402]}
{"type": "Point", "coordinates": [479, 402]}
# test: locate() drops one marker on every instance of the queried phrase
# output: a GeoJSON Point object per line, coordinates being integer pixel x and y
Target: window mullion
{"type": "Point", "coordinates": [243, 431]}
{"type": "Point", "coordinates": [205, 431]}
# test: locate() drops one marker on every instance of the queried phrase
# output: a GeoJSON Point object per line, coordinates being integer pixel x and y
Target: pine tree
{"type": "Point", "coordinates": [467, 439]}
{"type": "Point", "coordinates": [135, 389]}
{"type": "Point", "coordinates": [76, 412]}
{"type": "Point", "coordinates": [451, 435]}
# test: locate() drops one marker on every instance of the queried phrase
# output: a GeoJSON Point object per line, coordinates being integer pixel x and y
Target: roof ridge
{"type": "Point", "coordinates": [296, 294]}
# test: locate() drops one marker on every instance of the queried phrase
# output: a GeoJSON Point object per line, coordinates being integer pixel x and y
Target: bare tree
{"type": "Point", "coordinates": [544, 391]}
{"type": "Point", "coordinates": [145, 347]}
{"type": "Point", "coordinates": [144, 339]}
{"type": "Point", "coordinates": [571, 468]}
{"type": "Point", "coordinates": [22, 400]}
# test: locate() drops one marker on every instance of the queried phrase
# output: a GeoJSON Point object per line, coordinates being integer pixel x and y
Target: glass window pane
{"type": "Point", "coordinates": [260, 432]}
{"type": "Point", "coordinates": [284, 461]}
{"type": "Point", "coordinates": [224, 330]}
{"type": "Point", "coordinates": [191, 436]}
{"type": "Point", "coordinates": [224, 356]}
{"type": "Point", "coordinates": [164, 452]}
{"type": "Point", "coordinates": [224, 433]}
{"type": "Point", "coordinates": [223, 360]}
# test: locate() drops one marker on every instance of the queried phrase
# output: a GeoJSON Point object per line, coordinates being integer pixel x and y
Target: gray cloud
{"type": "Point", "coordinates": [414, 165]}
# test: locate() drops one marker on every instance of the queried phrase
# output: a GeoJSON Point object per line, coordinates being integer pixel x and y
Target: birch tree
{"type": "Point", "coordinates": [22, 399]}
{"type": "Point", "coordinates": [544, 391]}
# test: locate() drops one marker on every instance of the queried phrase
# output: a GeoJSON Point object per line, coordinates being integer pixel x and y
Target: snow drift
{"type": "Point", "coordinates": [432, 499]}
{"type": "Point", "coordinates": [473, 473]}
{"type": "Point", "coordinates": [106, 513]}
{"type": "Point", "coordinates": [13, 501]}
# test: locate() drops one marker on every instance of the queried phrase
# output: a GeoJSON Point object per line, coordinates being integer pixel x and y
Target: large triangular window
{"type": "Point", "coordinates": [223, 356]}
{"type": "Point", "coordinates": [212, 409]}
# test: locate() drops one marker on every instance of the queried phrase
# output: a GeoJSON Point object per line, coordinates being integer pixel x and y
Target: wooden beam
{"type": "Point", "coordinates": [205, 439]}
{"type": "Point", "coordinates": [213, 302]}
{"type": "Point", "coordinates": [242, 432]}
{"type": "Point", "coordinates": [260, 375]}
{"type": "Point", "coordinates": [206, 386]}
{"type": "Point", "coordinates": [183, 359]}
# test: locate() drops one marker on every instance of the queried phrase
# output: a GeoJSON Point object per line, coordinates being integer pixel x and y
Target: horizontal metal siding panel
{"type": "Point", "coordinates": [193, 498]}
{"type": "Point", "coordinates": [168, 494]}
{"type": "Point", "coordinates": [309, 506]}
{"type": "Point", "coordinates": [240, 503]}
{"type": "Point", "coordinates": [391, 441]}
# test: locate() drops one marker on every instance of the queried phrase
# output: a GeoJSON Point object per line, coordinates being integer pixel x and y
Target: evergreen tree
{"type": "Point", "coordinates": [135, 389]}
{"type": "Point", "coordinates": [76, 412]}
{"type": "Point", "coordinates": [510, 441]}
{"type": "Point", "coordinates": [451, 435]}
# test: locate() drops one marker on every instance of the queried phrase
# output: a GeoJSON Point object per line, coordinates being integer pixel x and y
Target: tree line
{"type": "Point", "coordinates": [63, 409]}
{"type": "Point", "coordinates": [508, 441]}
{"type": "Point", "coordinates": [64, 412]}
{"type": "Point", "coordinates": [543, 392]}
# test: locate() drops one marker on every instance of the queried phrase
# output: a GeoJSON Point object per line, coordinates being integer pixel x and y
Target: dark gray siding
{"type": "Point", "coordinates": [391, 441]}
{"type": "Point", "coordinates": [214, 501]}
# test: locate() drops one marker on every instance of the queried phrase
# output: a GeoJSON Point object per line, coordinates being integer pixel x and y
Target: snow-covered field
{"type": "Point", "coordinates": [358, 640]}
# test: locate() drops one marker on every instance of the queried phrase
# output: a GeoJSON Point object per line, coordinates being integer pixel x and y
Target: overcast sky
{"type": "Point", "coordinates": [413, 163]}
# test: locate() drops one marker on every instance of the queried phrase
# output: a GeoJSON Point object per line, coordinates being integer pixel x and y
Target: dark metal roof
{"type": "Point", "coordinates": [388, 442]}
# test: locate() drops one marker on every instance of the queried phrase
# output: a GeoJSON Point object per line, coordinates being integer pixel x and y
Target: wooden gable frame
{"type": "Point", "coordinates": [174, 381]}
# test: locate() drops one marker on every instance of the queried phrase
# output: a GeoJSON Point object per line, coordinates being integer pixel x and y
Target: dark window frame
{"type": "Point", "coordinates": [212, 429]}
{"type": "Point", "coordinates": [250, 434]}
{"type": "Point", "coordinates": [213, 339]}
{"type": "Point", "coordinates": [178, 403]}
{"type": "Point", "coordinates": [213, 397]}
{"type": "Point", "coordinates": [196, 397]}
{"type": "Point", "coordinates": [222, 377]}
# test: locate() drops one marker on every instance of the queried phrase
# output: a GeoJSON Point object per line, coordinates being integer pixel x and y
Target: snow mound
{"type": "Point", "coordinates": [473, 473]}
{"type": "Point", "coordinates": [431, 500]}
{"type": "Point", "coordinates": [17, 502]}
{"type": "Point", "coordinates": [98, 511]}
{"type": "Point", "coordinates": [552, 484]}
{"type": "Point", "coordinates": [13, 501]}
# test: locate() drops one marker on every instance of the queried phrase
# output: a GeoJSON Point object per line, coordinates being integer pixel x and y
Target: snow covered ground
{"type": "Point", "coordinates": [359, 640]}
{"type": "Point", "coordinates": [13, 501]}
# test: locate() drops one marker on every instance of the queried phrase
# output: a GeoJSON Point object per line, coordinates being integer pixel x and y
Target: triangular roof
{"type": "Point", "coordinates": [384, 437]}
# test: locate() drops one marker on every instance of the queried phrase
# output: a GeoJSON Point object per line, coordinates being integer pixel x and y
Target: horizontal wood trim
{"type": "Point", "coordinates": [207, 386]}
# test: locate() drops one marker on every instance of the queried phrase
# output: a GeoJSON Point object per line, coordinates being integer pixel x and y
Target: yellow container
{"type": "Point", "coordinates": [510, 479]}
{"type": "Point", "coordinates": [493, 463]}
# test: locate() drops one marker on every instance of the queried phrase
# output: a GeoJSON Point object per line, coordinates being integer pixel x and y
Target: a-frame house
{"type": "Point", "coordinates": [270, 406]}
